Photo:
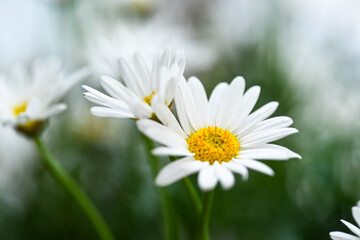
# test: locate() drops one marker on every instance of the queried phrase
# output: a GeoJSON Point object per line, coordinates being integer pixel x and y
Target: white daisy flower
{"type": "Point", "coordinates": [30, 95]}
{"type": "Point", "coordinates": [217, 136]}
{"type": "Point", "coordinates": [142, 83]}
{"type": "Point", "coordinates": [353, 228]}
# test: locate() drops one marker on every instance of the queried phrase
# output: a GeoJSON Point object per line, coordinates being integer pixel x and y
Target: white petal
{"type": "Point", "coordinates": [200, 99]}
{"type": "Point", "coordinates": [161, 134]}
{"type": "Point", "coordinates": [99, 98]}
{"type": "Point", "coordinates": [352, 227]}
{"type": "Point", "coordinates": [264, 153]}
{"type": "Point", "coordinates": [216, 100]}
{"type": "Point", "coordinates": [255, 165]}
{"type": "Point", "coordinates": [166, 117]}
{"type": "Point", "coordinates": [181, 113]}
{"type": "Point", "coordinates": [247, 103]}
{"type": "Point", "coordinates": [266, 136]}
{"type": "Point", "coordinates": [225, 176]}
{"type": "Point", "coordinates": [33, 108]}
{"type": "Point", "coordinates": [171, 86]}
{"type": "Point", "coordinates": [53, 110]}
{"type": "Point", "coordinates": [166, 151]}
{"type": "Point", "coordinates": [177, 170]}
{"type": "Point", "coordinates": [140, 108]}
{"type": "Point", "coordinates": [189, 104]}
{"type": "Point", "coordinates": [272, 123]}
{"type": "Point", "coordinates": [356, 214]}
{"type": "Point", "coordinates": [342, 236]}
{"type": "Point", "coordinates": [256, 117]}
{"type": "Point", "coordinates": [207, 178]}
{"type": "Point", "coordinates": [110, 113]}
{"type": "Point", "coordinates": [131, 79]}
{"type": "Point", "coordinates": [237, 168]}
{"type": "Point", "coordinates": [144, 72]}
{"type": "Point", "coordinates": [115, 88]}
{"type": "Point", "coordinates": [233, 95]}
{"type": "Point", "coordinates": [274, 146]}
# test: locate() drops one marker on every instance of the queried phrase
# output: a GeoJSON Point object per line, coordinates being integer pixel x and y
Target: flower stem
{"type": "Point", "coordinates": [169, 217]}
{"type": "Point", "coordinates": [64, 179]}
{"type": "Point", "coordinates": [191, 192]}
{"type": "Point", "coordinates": [205, 215]}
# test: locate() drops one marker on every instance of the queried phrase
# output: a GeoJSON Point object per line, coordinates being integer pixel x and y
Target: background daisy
{"type": "Point", "coordinates": [31, 94]}
{"type": "Point", "coordinates": [142, 82]}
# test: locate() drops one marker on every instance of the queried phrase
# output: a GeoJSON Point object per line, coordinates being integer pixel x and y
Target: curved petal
{"type": "Point", "coordinates": [215, 100]}
{"type": "Point", "coordinates": [207, 178]}
{"type": "Point", "coordinates": [256, 117]}
{"type": "Point", "coordinates": [266, 153]}
{"type": "Point", "coordinates": [181, 113]}
{"type": "Point", "coordinates": [225, 176]}
{"type": "Point", "coordinates": [200, 99]}
{"type": "Point", "coordinates": [53, 110]}
{"type": "Point", "coordinates": [189, 104]}
{"type": "Point", "coordinates": [110, 113]}
{"type": "Point", "coordinates": [177, 170]}
{"type": "Point", "coordinates": [167, 117]}
{"type": "Point", "coordinates": [161, 134]}
{"type": "Point", "coordinates": [271, 123]}
{"type": "Point", "coordinates": [226, 115]}
{"type": "Point", "coordinates": [352, 227]}
{"type": "Point", "coordinates": [237, 168]}
{"type": "Point", "coordinates": [356, 214]}
{"type": "Point", "coordinates": [255, 139]}
{"type": "Point", "coordinates": [255, 165]}
{"type": "Point", "coordinates": [167, 151]}
{"type": "Point", "coordinates": [245, 106]}
{"type": "Point", "coordinates": [342, 236]}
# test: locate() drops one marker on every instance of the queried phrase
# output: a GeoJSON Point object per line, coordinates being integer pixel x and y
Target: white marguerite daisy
{"type": "Point", "coordinates": [353, 228]}
{"type": "Point", "coordinates": [30, 94]}
{"type": "Point", "coordinates": [217, 136]}
{"type": "Point", "coordinates": [142, 83]}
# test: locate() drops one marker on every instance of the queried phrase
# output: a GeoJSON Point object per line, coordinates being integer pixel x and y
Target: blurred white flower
{"type": "Point", "coordinates": [217, 136]}
{"type": "Point", "coordinates": [237, 22]}
{"type": "Point", "coordinates": [142, 83]}
{"type": "Point", "coordinates": [147, 38]}
{"type": "Point", "coordinates": [353, 228]}
{"type": "Point", "coordinates": [30, 95]}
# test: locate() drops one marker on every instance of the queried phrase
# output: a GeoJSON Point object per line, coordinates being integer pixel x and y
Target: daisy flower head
{"type": "Point", "coordinates": [142, 82]}
{"type": "Point", "coordinates": [353, 228]}
{"type": "Point", "coordinates": [30, 94]}
{"type": "Point", "coordinates": [217, 136]}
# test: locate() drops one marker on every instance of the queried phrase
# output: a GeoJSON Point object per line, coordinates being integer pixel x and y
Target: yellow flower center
{"type": "Point", "coordinates": [149, 98]}
{"type": "Point", "coordinates": [31, 127]}
{"type": "Point", "coordinates": [213, 144]}
{"type": "Point", "coordinates": [20, 108]}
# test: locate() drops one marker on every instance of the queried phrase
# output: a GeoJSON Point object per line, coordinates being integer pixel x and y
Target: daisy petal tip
{"type": "Point", "coordinates": [227, 186]}
{"type": "Point", "coordinates": [207, 188]}
{"type": "Point", "coordinates": [245, 177]}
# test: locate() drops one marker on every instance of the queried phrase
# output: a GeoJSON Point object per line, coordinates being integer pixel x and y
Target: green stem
{"type": "Point", "coordinates": [64, 179]}
{"type": "Point", "coordinates": [191, 192]}
{"type": "Point", "coordinates": [205, 215]}
{"type": "Point", "coordinates": [168, 211]}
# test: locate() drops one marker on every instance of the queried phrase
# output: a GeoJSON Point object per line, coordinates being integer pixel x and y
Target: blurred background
{"type": "Point", "coordinates": [305, 54]}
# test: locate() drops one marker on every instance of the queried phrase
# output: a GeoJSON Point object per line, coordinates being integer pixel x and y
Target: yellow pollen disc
{"type": "Point", "coordinates": [149, 98]}
{"type": "Point", "coordinates": [20, 108]}
{"type": "Point", "coordinates": [213, 144]}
